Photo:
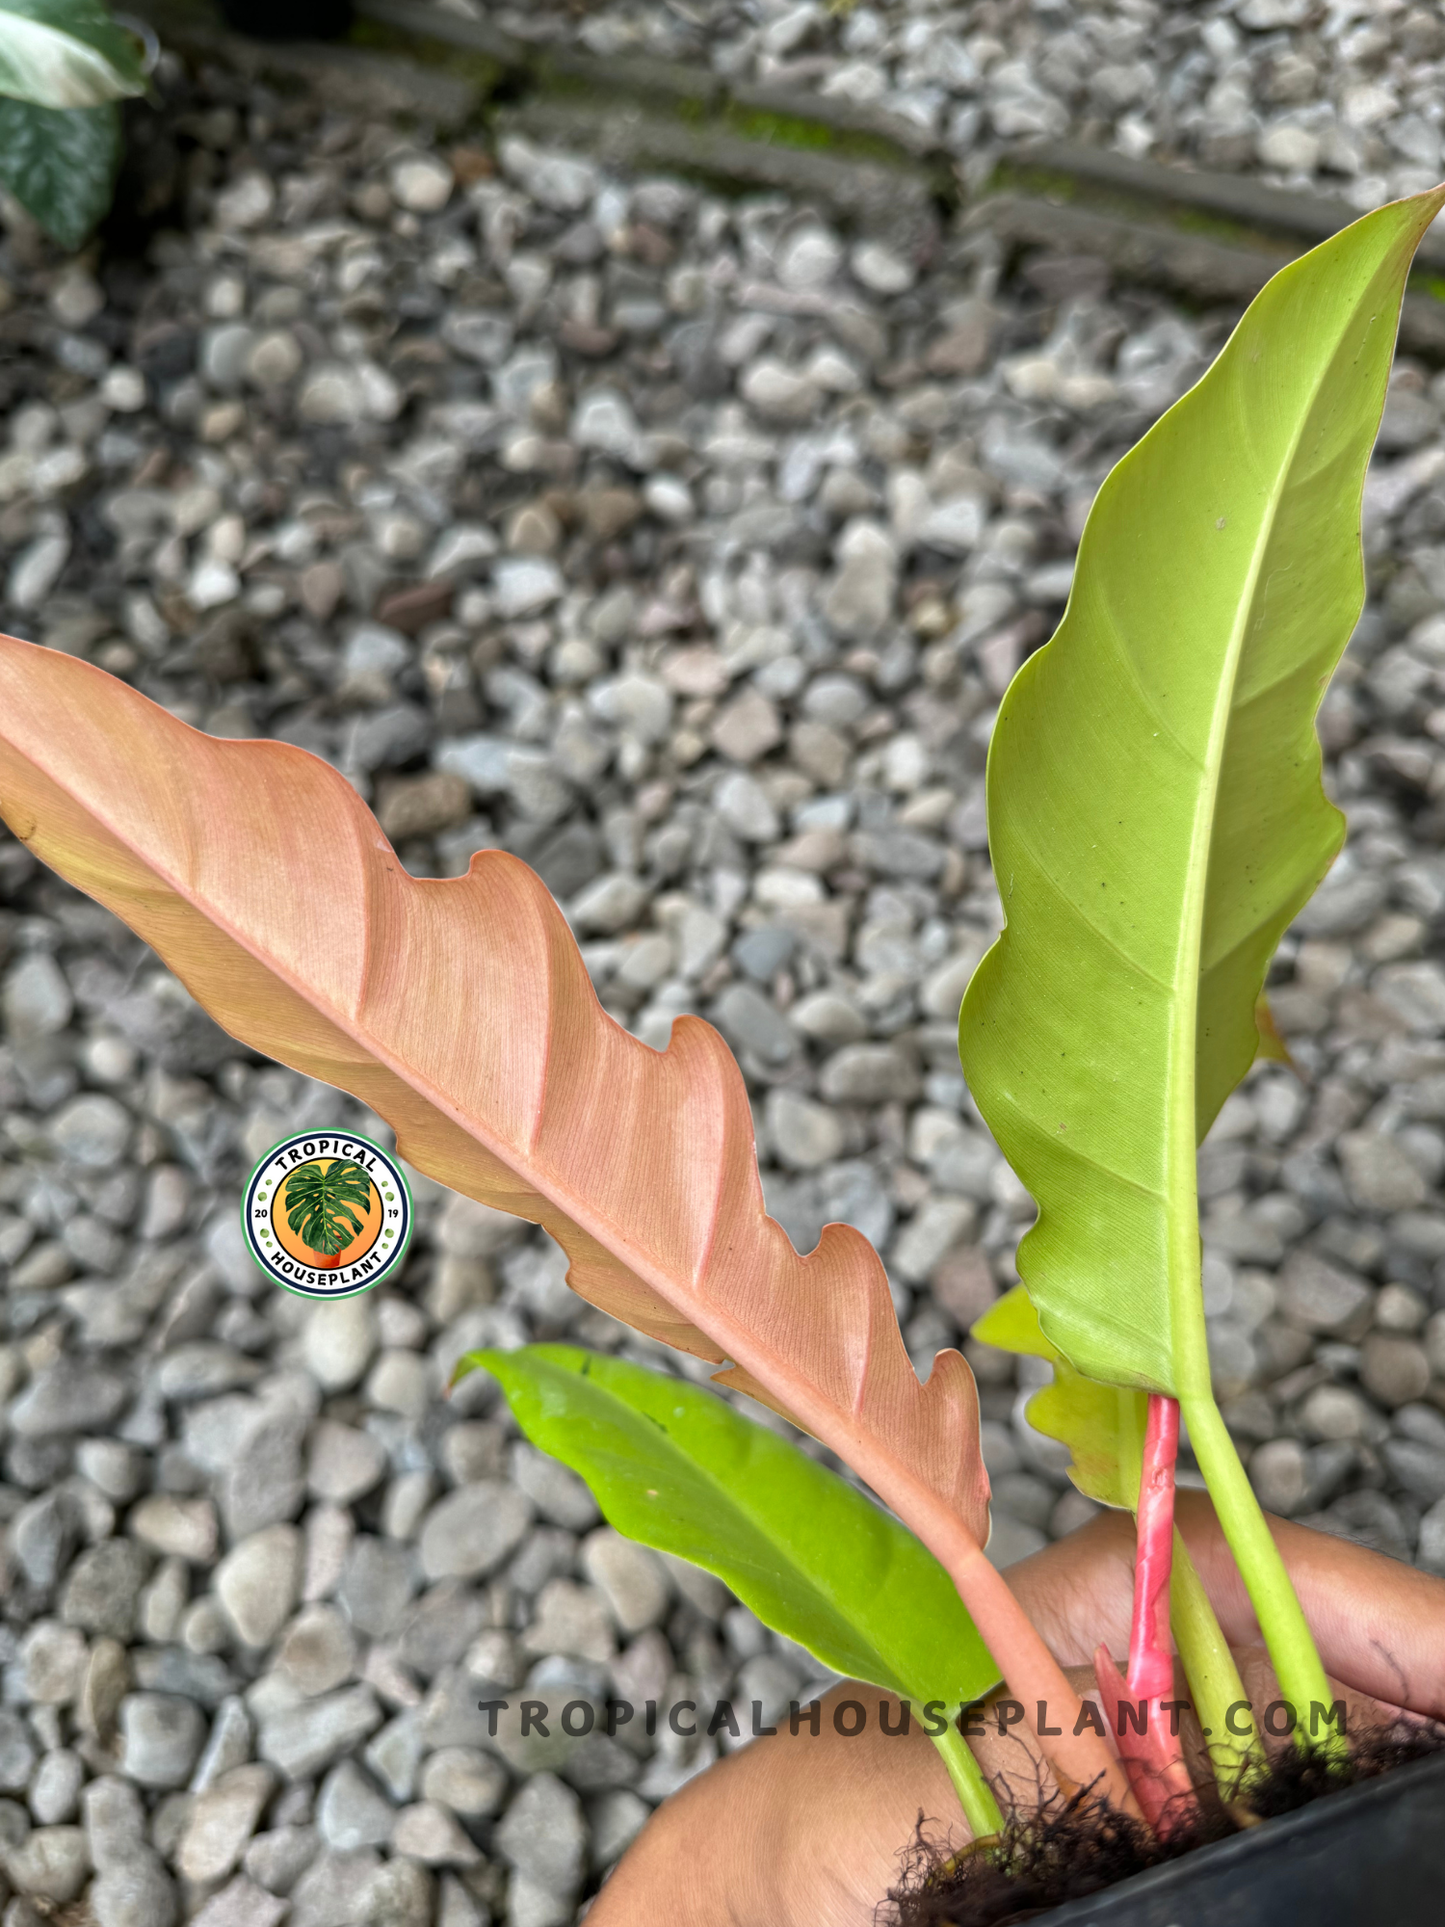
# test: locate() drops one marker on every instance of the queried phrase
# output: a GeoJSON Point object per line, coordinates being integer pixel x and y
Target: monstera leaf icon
{"type": "Point", "coordinates": [319, 1204]}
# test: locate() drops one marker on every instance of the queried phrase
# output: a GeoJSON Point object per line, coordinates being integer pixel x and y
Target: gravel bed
{"type": "Point", "coordinates": [1345, 97]}
{"type": "Point", "coordinates": [683, 547]}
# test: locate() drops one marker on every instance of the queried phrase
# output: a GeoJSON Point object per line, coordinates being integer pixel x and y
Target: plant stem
{"type": "Point", "coordinates": [1075, 1750]}
{"type": "Point", "coordinates": [1292, 1649]}
{"type": "Point", "coordinates": [1153, 1757]}
{"type": "Point", "coordinates": [1214, 1682]}
{"type": "Point", "coordinates": [973, 1790]}
{"type": "Point", "coordinates": [1151, 1663]}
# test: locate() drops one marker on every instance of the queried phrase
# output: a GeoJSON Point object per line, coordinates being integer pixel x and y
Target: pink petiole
{"type": "Point", "coordinates": [1153, 1758]}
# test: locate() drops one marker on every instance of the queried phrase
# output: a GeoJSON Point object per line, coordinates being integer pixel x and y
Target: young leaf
{"type": "Point", "coordinates": [462, 1013]}
{"type": "Point", "coordinates": [66, 53]}
{"type": "Point", "coordinates": [1155, 811]}
{"type": "Point", "coordinates": [60, 164]}
{"type": "Point", "coordinates": [1102, 1425]}
{"type": "Point", "coordinates": [675, 1467]}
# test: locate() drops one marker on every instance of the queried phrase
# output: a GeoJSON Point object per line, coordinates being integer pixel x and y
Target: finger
{"type": "Point", "coordinates": [793, 1831]}
{"type": "Point", "coordinates": [1079, 1591]}
{"type": "Point", "coordinates": [1379, 1625]}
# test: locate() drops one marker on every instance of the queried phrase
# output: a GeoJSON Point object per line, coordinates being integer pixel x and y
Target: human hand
{"type": "Point", "coordinates": [803, 1832]}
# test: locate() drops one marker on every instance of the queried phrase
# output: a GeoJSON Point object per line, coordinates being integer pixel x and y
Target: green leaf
{"type": "Point", "coordinates": [66, 53]}
{"type": "Point", "coordinates": [1155, 811]}
{"type": "Point", "coordinates": [318, 1201]}
{"type": "Point", "coordinates": [674, 1467]}
{"type": "Point", "coordinates": [60, 164]}
{"type": "Point", "coordinates": [1102, 1425]}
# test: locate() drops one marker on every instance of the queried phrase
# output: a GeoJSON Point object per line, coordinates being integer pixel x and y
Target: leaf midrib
{"type": "Point", "coordinates": [1188, 1344]}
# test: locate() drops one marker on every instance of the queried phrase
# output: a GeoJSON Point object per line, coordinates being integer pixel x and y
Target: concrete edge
{"type": "Point", "coordinates": [1158, 255]}
{"type": "Point", "coordinates": [1266, 211]}
{"type": "Point", "coordinates": [1205, 235]}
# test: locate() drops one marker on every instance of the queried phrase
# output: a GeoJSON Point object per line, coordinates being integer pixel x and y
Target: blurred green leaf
{"type": "Point", "coordinates": [60, 164]}
{"type": "Point", "coordinates": [66, 53]}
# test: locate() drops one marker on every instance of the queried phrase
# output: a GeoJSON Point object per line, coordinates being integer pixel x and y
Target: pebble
{"type": "Point", "coordinates": [36, 998]}
{"type": "Point", "coordinates": [220, 1822]}
{"type": "Point", "coordinates": [276, 1859]}
{"type": "Point", "coordinates": [103, 1587]}
{"type": "Point", "coordinates": [115, 1822]}
{"type": "Point", "coordinates": [241, 1903]}
{"type": "Point", "coordinates": [55, 1791]}
{"type": "Point", "coordinates": [139, 1893]}
{"type": "Point", "coordinates": [162, 1736]}
{"type": "Point", "coordinates": [301, 1740]}
{"type": "Point", "coordinates": [469, 1782]}
{"type": "Point", "coordinates": [1394, 1371]}
{"type": "Point", "coordinates": [867, 1074]}
{"type": "Point", "coordinates": [1320, 1296]}
{"type": "Point", "coordinates": [318, 1652]}
{"type": "Point", "coordinates": [880, 269]}
{"type": "Point", "coordinates": [470, 1532]}
{"type": "Point", "coordinates": [52, 1864]}
{"type": "Point", "coordinates": [17, 1752]}
{"type": "Point", "coordinates": [543, 1835]}
{"type": "Point", "coordinates": [430, 1834]}
{"type": "Point", "coordinates": [181, 1528]}
{"type": "Point", "coordinates": [93, 1131]}
{"type": "Point", "coordinates": [421, 183]}
{"type": "Point", "coordinates": [350, 1812]}
{"type": "Point", "coordinates": [377, 1581]}
{"type": "Point", "coordinates": [343, 1463]}
{"type": "Point", "coordinates": [66, 1397]}
{"type": "Point", "coordinates": [339, 1343]}
{"type": "Point", "coordinates": [632, 1580]}
{"type": "Point", "coordinates": [256, 1583]}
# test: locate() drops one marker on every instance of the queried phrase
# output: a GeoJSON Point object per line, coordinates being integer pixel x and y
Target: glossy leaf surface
{"type": "Point", "coordinates": [677, 1468]}
{"type": "Point", "coordinates": [1156, 816]}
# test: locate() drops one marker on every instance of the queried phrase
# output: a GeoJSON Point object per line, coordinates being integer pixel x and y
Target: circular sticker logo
{"type": "Point", "coordinates": [327, 1214]}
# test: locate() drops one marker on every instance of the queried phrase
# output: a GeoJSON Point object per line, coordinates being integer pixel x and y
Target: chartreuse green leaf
{"type": "Point", "coordinates": [675, 1467]}
{"type": "Point", "coordinates": [1156, 819]}
{"type": "Point", "coordinates": [66, 53]}
{"type": "Point", "coordinates": [1103, 1427]}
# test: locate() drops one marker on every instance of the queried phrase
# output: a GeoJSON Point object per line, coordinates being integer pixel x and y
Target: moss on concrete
{"type": "Point", "coordinates": [374, 36]}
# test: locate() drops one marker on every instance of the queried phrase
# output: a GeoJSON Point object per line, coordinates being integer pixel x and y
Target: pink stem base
{"type": "Point", "coordinates": [1153, 1758]}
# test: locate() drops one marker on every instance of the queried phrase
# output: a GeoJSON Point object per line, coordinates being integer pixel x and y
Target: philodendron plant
{"type": "Point", "coordinates": [1156, 819]}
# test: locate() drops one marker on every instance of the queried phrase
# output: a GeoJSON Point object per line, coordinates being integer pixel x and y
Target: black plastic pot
{"type": "Point", "coordinates": [1371, 1857]}
{"type": "Point", "coordinates": [288, 19]}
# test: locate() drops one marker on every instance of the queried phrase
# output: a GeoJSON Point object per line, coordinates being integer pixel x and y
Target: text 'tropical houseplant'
{"type": "Point", "coordinates": [1156, 820]}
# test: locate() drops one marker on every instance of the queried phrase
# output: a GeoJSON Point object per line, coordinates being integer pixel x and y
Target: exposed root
{"type": "Point", "coordinates": [1067, 1848]}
